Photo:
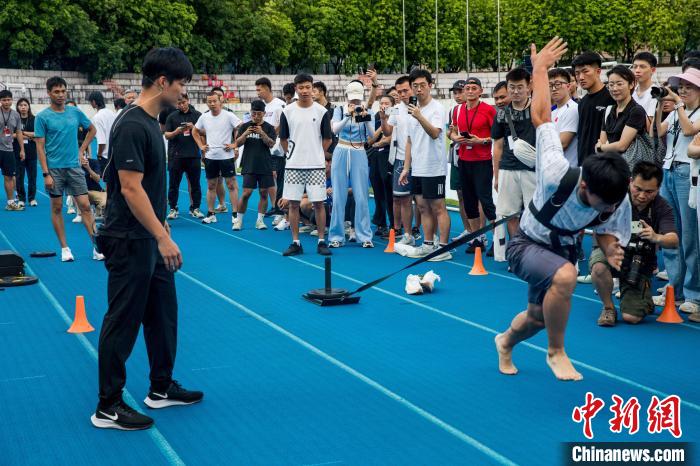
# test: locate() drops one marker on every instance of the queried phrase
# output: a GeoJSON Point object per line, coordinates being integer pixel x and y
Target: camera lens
{"type": "Point", "coordinates": [358, 109]}
{"type": "Point", "coordinates": [659, 92]}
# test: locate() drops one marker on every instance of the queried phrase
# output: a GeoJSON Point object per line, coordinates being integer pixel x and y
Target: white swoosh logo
{"type": "Point", "coordinates": [114, 418]}
{"type": "Point", "coordinates": [162, 395]}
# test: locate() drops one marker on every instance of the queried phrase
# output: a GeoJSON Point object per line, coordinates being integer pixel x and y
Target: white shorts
{"type": "Point", "coordinates": [515, 191]}
{"type": "Point", "coordinates": [312, 180]}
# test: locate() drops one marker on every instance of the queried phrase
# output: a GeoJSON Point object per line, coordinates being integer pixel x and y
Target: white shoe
{"type": "Point", "coordinates": [20, 204]}
{"type": "Point", "coordinates": [260, 224]}
{"type": "Point", "coordinates": [585, 279]}
{"type": "Point", "coordinates": [445, 256]}
{"type": "Point", "coordinates": [71, 210]}
{"type": "Point", "coordinates": [237, 223]}
{"type": "Point", "coordinates": [221, 209]}
{"type": "Point", "coordinates": [306, 229]}
{"type": "Point", "coordinates": [662, 290]}
{"type": "Point", "coordinates": [33, 203]}
{"type": "Point", "coordinates": [209, 219]}
{"type": "Point", "coordinates": [689, 307]}
{"type": "Point", "coordinates": [276, 219]}
{"type": "Point", "coordinates": [461, 235]}
{"type": "Point", "coordinates": [351, 236]}
{"type": "Point", "coordinates": [97, 256]}
{"type": "Point", "coordinates": [407, 239]}
{"type": "Point", "coordinates": [616, 287]}
{"type": "Point", "coordinates": [314, 232]}
{"type": "Point", "coordinates": [66, 255]}
{"type": "Point", "coordinates": [663, 275]}
{"type": "Point", "coordinates": [282, 225]}
{"type": "Point", "coordinates": [172, 215]}
{"type": "Point", "coordinates": [78, 219]}
{"type": "Point", "coordinates": [196, 213]}
{"type": "Point", "coordinates": [420, 251]}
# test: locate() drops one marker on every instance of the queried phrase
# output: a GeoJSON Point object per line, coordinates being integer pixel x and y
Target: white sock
{"type": "Point", "coordinates": [260, 216]}
{"type": "Point", "coordinates": [297, 242]}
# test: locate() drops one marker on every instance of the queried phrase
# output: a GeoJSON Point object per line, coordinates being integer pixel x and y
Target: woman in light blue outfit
{"type": "Point", "coordinates": [683, 264]}
{"type": "Point", "coordinates": [350, 167]}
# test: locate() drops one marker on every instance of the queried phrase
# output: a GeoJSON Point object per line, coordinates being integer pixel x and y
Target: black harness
{"type": "Point", "coordinates": [567, 185]}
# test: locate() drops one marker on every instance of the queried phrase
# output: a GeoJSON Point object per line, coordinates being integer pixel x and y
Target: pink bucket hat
{"type": "Point", "coordinates": [691, 75]}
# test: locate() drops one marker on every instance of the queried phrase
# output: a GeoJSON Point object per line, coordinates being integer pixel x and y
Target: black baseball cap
{"type": "Point", "coordinates": [476, 81]}
{"type": "Point", "coordinates": [458, 85]}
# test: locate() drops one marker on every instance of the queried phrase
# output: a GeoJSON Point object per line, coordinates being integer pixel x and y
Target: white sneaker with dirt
{"type": "Point", "coordinates": [20, 204]}
{"type": "Point", "coordinates": [276, 219]}
{"type": "Point", "coordinates": [445, 256]}
{"type": "Point", "coordinates": [662, 290]}
{"type": "Point", "coordinates": [33, 203]}
{"type": "Point", "coordinates": [421, 251]}
{"type": "Point", "coordinates": [306, 229]}
{"type": "Point", "coordinates": [66, 255]}
{"type": "Point", "coordinates": [407, 239]}
{"type": "Point", "coordinates": [689, 307]}
{"type": "Point", "coordinates": [97, 256]}
{"type": "Point", "coordinates": [172, 215]}
{"type": "Point", "coordinates": [661, 300]}
{"type": "Point", "coordinates": [209, 219]}
{"type": "Point", "coordinates": [260, 224]}
{"type": "Point", "coordinates": [314, 232]}
{"type": "Point", "coordinates": [196, 213]}
{"type": "Point", "coordinates": [221, 209]}
{"type": "Point", "coordinates": [12, 206]}
{"type": "Point", "coordinates": [460, 236]}
{"type": "Point", "coordinates": [237, 223]}
{"type": "Point", "coordinates": [282, 225]}
{"type": "Point", "coordinates": [587, 279]}
{"type": "Point", "coordinates": [78, 219]}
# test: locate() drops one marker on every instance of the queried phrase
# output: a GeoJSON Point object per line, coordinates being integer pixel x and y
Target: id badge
{"type": "Point", "coordinates": [186, 133]}
{"type": "Point", "coordinates": [6, 132]}
{"type": "Point", "coordinates": [26, 141]}
{"type": "Point", "coordinates": [469, 147]}
{"type": "Point", "coordinates": [511, 142]}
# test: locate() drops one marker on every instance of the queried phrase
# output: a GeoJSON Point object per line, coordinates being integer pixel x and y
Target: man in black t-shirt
{"type": "Point", "coordinates": [140, 257]}
{"type": "Point", "coordinates": [653, 224]}
{"type": "Point", "coordinates": [183, 156]}
{"type": "Point", "coordinates": [256, 137]}
{"type": "Point", "coordinates": [591, 109]}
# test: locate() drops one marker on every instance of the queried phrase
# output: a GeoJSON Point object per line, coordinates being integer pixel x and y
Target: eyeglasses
{"type": "Point", "coordinates": [517, 89]}
{"type": "Point", "coordinates": [617, 84]}
{"type": "Point", "coordinates": [420, 85]}
{"type": "Point", "coordinates": [554, 85]}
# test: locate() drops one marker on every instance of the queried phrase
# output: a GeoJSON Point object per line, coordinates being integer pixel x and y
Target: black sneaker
{"type": "Point", "coordinates": [471, 249]}
{"type": "Point", "coordinates": [120, 416]}
{"type": "Point", "coordinates": [175, 395]}
{"type": "Point", "coordinates": [322, 249]}
{"type": "Point", "coordinates": [415, 231]}
{"type": "Point", "coordinates": [294, 249]}
{"type": "Point", "coordinates": [489, 253]}
{"type": "Point", "coordinates": [381, 231]}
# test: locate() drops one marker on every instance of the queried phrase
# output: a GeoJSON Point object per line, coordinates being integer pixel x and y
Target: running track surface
{"type": "Point", "coordinates": [393, 380]}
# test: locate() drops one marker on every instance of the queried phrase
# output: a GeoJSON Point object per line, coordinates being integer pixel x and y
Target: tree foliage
{"type": "Point", "coordinates": [262, 36]}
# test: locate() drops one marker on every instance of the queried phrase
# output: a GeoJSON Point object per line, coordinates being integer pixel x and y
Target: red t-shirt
{"type": "Point", "coordinates": [476, 121]}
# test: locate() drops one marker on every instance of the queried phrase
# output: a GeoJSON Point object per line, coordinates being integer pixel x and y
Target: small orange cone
{"type": "Point", "coordinates": [670, 315]}
{"type": "Point", "coordinates": [478, 268]}
{"type": "Point", "coordinates": [392, 240]}
{"type": "Point", "coordinates": [80, 323]}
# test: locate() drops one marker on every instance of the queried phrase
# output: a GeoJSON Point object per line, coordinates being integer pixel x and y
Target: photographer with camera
{"type": "Point", "coordinates": [349, 166]}
{"type": "Point", "coordinates": [679, 128]}
{"type": "Point", "coordinates": [653, 224]}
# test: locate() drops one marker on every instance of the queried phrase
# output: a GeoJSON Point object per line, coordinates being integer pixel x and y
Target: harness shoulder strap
{"type": "Point", "coordinates": [567, 184]}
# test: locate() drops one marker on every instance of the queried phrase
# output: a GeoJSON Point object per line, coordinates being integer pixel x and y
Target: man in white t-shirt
{"type": "Point", "coordinates": [214, 134]}
{"type": "Point", "coordinates": [273, 112]}
{"type": "Point", "coordinates": [565, 115]}
{"type": "Point", "coordinates": [644, 67]}
{"type": "Point", "coordinates": [103, 121]}
{"type": "Point", "coordinates": [396, 126]}
{"type": "Point", "coordinates": [426, 160]}
{"type": "Point", "coordinates": [565, 201]}
{"type": "Point", "coordinates": [305, 135]}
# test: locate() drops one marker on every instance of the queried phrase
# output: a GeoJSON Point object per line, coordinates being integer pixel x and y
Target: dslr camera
{"type": "Point", "coordinates": [659, 92]}
{"type": "Point", "coordinates": [636, 254]}
{"type": "Point", "coordinates": [359, 118]}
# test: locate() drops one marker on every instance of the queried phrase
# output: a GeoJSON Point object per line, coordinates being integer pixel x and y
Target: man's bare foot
{"type": "Point", "coordinates": [560, 364]}
{"type": "Point", "coordinates": [505, 360]}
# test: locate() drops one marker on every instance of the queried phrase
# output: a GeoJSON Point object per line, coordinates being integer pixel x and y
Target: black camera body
{"type": "Point", "coordinates": [637, 253]}
{"type": "Point", "coordinates": [359, 118]}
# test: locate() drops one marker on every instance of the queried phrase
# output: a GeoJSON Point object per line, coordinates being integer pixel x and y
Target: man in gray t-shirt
{"type": "Point", "coordinates": [10, 127]}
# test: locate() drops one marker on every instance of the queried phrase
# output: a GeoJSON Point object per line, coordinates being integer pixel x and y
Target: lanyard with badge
{"type": "Point", "coordinates": [471, 124]}
{"type": "Point", "coordinates": [6, 129]}
{"type": "Point", "coordinates": [24, 124]}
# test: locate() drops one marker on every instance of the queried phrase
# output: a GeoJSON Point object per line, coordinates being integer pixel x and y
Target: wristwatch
{"type": "Point", "coordinates": [45, 175]}
{"type": "Point", "coordinates": [679, 105]}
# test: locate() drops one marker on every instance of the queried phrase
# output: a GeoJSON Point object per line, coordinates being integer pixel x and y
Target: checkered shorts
{"type": "Point", "coordinates": [312, 180]}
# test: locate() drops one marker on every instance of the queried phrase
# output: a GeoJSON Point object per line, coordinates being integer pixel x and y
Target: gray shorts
{"type": "Point", "coordinates": [69, 181]}
{"type": "Point", "coordinates": [534, 263]}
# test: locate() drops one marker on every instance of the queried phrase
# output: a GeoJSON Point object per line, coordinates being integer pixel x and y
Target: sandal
{"type": "Point", "coordinates": [608, 318]}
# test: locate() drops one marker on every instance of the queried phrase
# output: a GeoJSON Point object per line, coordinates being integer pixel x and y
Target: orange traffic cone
{"type": "Point", "coordinates": [80, 322]}
{"type": "Point", "coordinates": [478, 268]}
{"type": "Point", "coordinates": [392, 240]}
{"type": "Point", "coordinates": [670, 315]}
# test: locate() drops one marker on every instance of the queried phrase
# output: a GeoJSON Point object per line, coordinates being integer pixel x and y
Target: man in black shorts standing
{"type": "Point", "coordinates": [256, 137]}
{"type": "Point", "coordinates": [140, 256]}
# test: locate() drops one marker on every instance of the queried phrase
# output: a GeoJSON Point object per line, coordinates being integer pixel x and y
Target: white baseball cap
{"type": "Point", "coordinates": [355, 91]}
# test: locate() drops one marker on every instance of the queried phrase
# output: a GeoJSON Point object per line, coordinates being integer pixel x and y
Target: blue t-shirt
{"type": "Point", "coordinates": [60, 131]}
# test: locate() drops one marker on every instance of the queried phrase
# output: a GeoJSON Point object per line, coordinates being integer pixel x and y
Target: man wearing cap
{"type": "Point", "coordinates": [350, 167]}
{"type": "Point", "coordinates": [679, 128]}
{"type": "Point", "coordinates": [458, 96]}
{"type": "Point", "coordinates": [472, 131]}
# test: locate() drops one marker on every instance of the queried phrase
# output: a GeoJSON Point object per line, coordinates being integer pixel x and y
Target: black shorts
{"type": "Point", "coordinates": [278, 163]}
{"type": "Point", "coordinates": [430, 187]}
{"type": "Point", "coordinates": [7, 163]}
{"type": "Point", "coordinates": [216, 168]}
{"type": "Point", "coordinates": [252, 181]}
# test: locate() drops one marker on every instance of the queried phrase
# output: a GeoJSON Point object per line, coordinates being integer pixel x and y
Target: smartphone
{"type": "Point", "coordinates": [391, 111]}
{"type": "Point", "coordinates": [413, 100]}
{"type": "Point", "coordinates": [637, 227]}
{"type": "Point", "coordinates": [466, 135]}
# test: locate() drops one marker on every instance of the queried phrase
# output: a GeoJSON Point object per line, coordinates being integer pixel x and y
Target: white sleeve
{"type": "Point", "coordinates": [619, 224]}
{"type": "Point", "coordinates": [235, 121]}
{"type": "Point", "coordinates": [438, 119]}
{"type": "Point", "coordinates": [101, 134]}
{"type": "Point", "coordinates": [568, 121]}
{"type": "Point", "coordinates": [200, 122]}
{"type": "Point", "coordinates": [550, 163]}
